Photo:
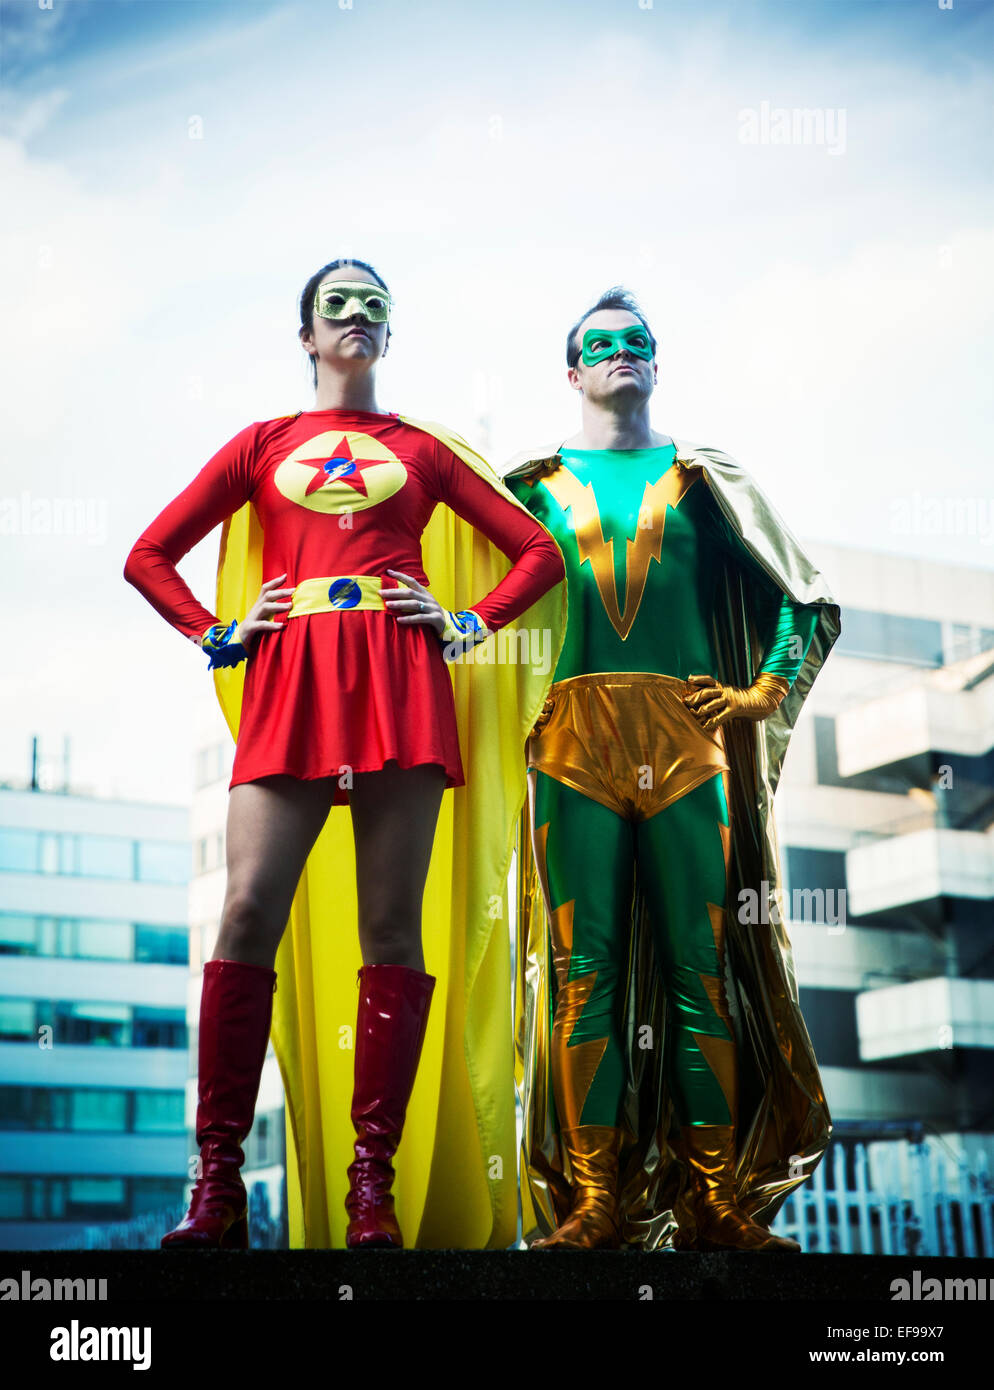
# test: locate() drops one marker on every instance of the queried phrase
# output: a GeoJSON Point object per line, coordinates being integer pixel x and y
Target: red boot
{"type": "Point", "coordinates": [393, 1015]}
{"type": "Point", "coordinates": [236, 1010]}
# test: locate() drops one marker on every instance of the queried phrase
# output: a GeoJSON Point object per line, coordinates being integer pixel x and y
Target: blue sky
{"type": "Point", "coordinates": [822, 305]}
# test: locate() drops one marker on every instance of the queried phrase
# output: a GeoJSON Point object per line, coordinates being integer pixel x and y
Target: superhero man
{"type": "Point", "coordinates": [671, 1094]}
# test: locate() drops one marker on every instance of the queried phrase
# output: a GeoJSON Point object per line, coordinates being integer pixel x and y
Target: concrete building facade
{"type": "Point", "coordinates": [93, 1044]}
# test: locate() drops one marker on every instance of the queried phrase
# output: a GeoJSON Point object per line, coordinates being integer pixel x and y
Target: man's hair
{"type": "Point", "coordinates": [617, 297]}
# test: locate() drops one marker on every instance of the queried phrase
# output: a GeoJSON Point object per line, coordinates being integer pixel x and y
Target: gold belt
{"type": "Point", "coordinates": [336, 593]}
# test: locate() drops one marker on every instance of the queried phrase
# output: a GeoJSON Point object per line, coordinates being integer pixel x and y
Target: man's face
{"type": "Point", "coordinates": [353, 339]}
{"type": "Point", "coordinates": [622, 375]}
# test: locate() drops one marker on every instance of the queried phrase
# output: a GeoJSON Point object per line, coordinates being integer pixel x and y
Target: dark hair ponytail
{"type": "Point", "coordinates": [307, 297]}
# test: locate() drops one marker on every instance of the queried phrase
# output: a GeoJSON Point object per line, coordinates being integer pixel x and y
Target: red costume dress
{"type": "Point", "coordinates": [342, 493]}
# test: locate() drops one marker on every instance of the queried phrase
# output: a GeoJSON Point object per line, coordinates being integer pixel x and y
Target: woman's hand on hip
{"type": "Point", "coordinates": [271, 601]}
{"type": "Point", "coordinates": [420, 606]}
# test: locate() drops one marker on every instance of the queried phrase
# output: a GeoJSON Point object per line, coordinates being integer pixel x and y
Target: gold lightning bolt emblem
{"type": "Point", "coordinates": [647, 545]}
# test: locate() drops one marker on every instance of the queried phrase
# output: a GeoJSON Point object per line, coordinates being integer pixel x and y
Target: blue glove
{"type": "Point", "coordinates": [221, 645]}
{"type": "Point", "coordinates": [462, 630]}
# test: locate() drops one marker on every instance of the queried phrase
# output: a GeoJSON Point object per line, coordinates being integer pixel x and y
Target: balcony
{"type": "Point", "coordinates": [82, 1154]}
{"type": "Point", "coordinates": [895, 871]}
{"type": "Point", "coordinates": [880, 1096]}
{"type": "Point", "coordinates": [71, 1064]}
{"type": "Point", "coordinates": [106, 981]}
{"type": "Point", "coordinates": [949, 711]}
{"type": "Point", "coordinates": [830, 959]}
{"type": "Point", "coordinates": [925, 1016]}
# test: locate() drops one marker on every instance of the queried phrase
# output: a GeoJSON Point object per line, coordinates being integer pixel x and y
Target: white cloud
{"type": "Point", "coordinates": [817, 318]}
{"type": "Point", "coordinates": [34, 115]}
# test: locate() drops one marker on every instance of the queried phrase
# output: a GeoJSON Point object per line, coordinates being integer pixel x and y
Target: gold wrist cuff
{"type": "Point", "coordinates": [776, 687]}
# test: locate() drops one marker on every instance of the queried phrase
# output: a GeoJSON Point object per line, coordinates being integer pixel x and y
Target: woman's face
{"type": "Point", "coordinates": [346, 344]}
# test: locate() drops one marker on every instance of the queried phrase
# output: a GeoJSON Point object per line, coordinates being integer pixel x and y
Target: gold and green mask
{"type": "Point", "coordinates": [341, 299]}
{"type": "Point", "coordinates": [599, 343]}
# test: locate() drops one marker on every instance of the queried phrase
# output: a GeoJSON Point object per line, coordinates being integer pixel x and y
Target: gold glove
{"type": "Point", "coordinates": [544, 715]}
{"type": "Point", "coordinates": [713, 704]}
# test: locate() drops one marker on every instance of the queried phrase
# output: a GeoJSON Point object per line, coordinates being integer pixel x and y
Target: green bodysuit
{"type": "Point", "coordinates": [627, 786]}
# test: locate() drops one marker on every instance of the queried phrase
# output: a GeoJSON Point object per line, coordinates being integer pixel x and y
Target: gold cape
{"type": "Point", "coordinates": [456, 1183]}
{"type": "Point", "coordinates": [784, 1121]}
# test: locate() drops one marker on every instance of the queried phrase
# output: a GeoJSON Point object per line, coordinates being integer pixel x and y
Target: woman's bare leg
{"type": "Point", "coordinates": [272, 826]}
{"type": "Point", "coordinates": [394, 813]}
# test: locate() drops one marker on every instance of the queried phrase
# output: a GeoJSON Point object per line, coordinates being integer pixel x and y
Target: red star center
{"type": "Point", "coordinates": [326, 469]}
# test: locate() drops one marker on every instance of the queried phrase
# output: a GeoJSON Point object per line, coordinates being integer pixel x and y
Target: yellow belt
{"type": "Point", "coordinates": [336, 593]}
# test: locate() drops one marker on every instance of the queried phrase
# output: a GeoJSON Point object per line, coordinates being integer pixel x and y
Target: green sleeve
{"type": "Point", "coordinates": [792, 636]}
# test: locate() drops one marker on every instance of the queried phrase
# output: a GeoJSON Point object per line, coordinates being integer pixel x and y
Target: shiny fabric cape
{"type": "Point", "coordinates": [456, 1169]}
{"type": "Point", "coordinates": [784, 1121]}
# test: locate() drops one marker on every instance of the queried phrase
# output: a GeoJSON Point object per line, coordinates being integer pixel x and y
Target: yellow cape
{"type": "Point", "coordinates": [456, 1182]}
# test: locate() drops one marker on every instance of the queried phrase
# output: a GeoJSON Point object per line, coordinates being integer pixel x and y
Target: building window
{"type": "Point", "coordinates": [103, 940]}
{"type": "Point", "coordinates": [17, 1020]}
{"type": "Point", "coordinates": [159, 1028]}
{"type": "Point", "coordinates": [103, 1111]}
{"type": "Point", "coordinates": [96, 1198]}
{"type": "Point", "coordinates": [104, 856]}
{"type": "Point", "coordinates": [18, 935]}
{"type": "Point", "coordinates": [95, 856]}
{"type": "Point", "coordinates": [823, 869]}
{"type": "Point", "coordinates": [50, 846]}
{"type": "Point", "coordinates": [13, 1199]}
{"type": "Point", "coordinates": [830, 1018]}
{"type": "Point", "coordinates": [164, 945]}
{"type": "Point", "coordinates": [160, 1112]}
{"type": "Point", "coordinates": [209, 765]}
{"type": "Point", "coordinates": [92, 1024]}
{"type": "Point", "coordinates": [148, 1194]}
{"type": "Point", "coordinates": [92, 939]}
{"type": "Point", "coordinates": [94, 1109]}
{"type": "Point", "coordinates": [16, 1107]}
{"type": "Point", "coordinates": [890, 637]}
{"type": "Point", "coordinates": [100, 1025]}
{"type": "Point", "coordinates": [19, 850]}
{"type": "Point", "coordinates": [162, 862]}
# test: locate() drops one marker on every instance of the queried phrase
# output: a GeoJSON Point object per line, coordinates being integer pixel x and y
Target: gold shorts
{"type": "Point", "coordinates": [627, 740]}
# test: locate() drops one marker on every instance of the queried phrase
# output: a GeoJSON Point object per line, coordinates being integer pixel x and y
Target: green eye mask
{"type": "Point", "coordinates": [340, 299]}
{"type": "Point", "coordinates": [599, 343]}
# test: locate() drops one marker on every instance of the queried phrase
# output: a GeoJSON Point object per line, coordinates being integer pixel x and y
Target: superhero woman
{"type": "Point", "coordinates": [338, 666]}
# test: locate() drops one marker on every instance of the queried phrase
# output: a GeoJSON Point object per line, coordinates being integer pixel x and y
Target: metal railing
{"type": "Point", "coordinates": [267, 1229]}
{"type": "Point", "coordinates": [939, 1206]}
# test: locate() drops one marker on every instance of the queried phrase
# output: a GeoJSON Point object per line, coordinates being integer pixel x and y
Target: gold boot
{"type": "Point", "coordinates": [593, 1222]}
{"type": "Point", "coordinates": [721, 1224]}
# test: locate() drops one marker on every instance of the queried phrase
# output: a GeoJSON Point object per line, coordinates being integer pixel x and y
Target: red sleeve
{"type": "Point", "coordinates": [221, 487]}
{"type": "Point", "coordinates": [538, 563]}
